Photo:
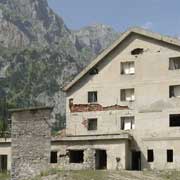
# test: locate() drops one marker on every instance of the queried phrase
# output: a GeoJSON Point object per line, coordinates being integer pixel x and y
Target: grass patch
{"type": "Point", "coordinates": [108, 175]}
{"type": "Point", "coordinates": [170, 175]}
{"type": "Point", "coordinates": [46, 173]}
{"type": "Point", "coordinates": [87, 175]}
{"type": "Point", "coordinates": [74, 175]}
{"type": "Point", "coordinates": [4, 176]}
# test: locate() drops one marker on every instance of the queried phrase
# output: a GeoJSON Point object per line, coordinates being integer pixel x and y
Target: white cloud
{"type": "Point", "coordinates": [147, 25]}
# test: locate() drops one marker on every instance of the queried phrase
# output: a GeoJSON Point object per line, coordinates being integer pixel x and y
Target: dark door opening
{"type": "Point", "coordinates": [76, 156]}
{"type": "Point", "coordinates": [101, 159]}
{"type": "Point", "coordinates": [136, 160]}
{"type": "Point", "coordinates": [53, 157]}
{"type": "Point", "coordinates": [3, 162]}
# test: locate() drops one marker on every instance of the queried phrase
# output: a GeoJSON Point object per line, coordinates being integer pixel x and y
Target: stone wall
{"type": "Point", "coordinates": [64, 164]}
{"type": "Point", "coordinates": [31, 137]}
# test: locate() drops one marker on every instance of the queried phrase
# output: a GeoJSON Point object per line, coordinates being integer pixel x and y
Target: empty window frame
{"type": "Point", "coordinates": [174, 120]}
{"type": "Point", "coordinates": [53, 157]}
{"type": "Point", "coordinates": [92, 124]}
{"type": "Point", "coordinates": [127, 123]}
{"type": "Point", "coordinates": [92, 96]}
{"type": "Point", "coordinates": [127, 95]}
{"type": "Point", "coordinates": [150, 155]}
{"type": "Point", "coordinates": [174, 91]}
{"type": "Point", "coordinates": [128, 68]}
{"type": "Point", "coordinates": [174, 63]}
{"type": "Point", "coordinates": [76, 156]}
{"type": "Point", "coordinates": [169, 155]}
{"type": "Point", "coordinates": [137, 51]}
{"type": "Point", "coordinates": [93, 71]}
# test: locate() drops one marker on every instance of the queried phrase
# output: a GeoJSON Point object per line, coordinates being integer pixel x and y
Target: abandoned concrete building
{"type": "Point", "coordinates": [123, 110]}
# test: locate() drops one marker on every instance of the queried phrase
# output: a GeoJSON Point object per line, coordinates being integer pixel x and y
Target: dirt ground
{"type": "Point", "coordinates": [109, 175]}
{"type": "Point", "coordinates": [55, 174]}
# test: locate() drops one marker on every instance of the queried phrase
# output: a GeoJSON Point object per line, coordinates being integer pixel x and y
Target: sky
{"type": "Point", "coordinates": [161, 16]}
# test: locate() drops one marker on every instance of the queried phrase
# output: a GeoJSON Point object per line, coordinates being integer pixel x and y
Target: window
{"type": "Point", "coordinates": [174, 120]}
{"type": "Point", "coordinates": [174, 63]}
{"type": "Point", "coordinates": [127, 68]}
{"type": "Point", "coordinates": [127, 95]}
{"type": "Point", "coordinates": [76, 156]}
{"type": "Point", "coordinates": [92, 124]}
{"type": "Point", "coordinates": [92, 97]}
{"type": "Point", "coordinates": [150, 155]}
{"type": "Point", "coordinates": [93, 71]}
{"type": "Point", "coordinates": [137, 51]}
{"type": "Point", "coordinates": [169, 155]}
{"type": "Point", "coordinates": [174, 91]}
{"type": "Point", "coordinates": [53, 157]}
{"type": "Point", "coordinates": [127, 123]}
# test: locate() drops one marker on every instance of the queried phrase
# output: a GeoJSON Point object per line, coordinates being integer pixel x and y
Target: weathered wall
{"type": "Point", "coordinates": [31, 137]}
{"type": "Point", "coordinates": [152, 104]}
{"type": "Point", "coordinates": [152, 75]}
{"type": "Point", "coordinates": [108, 122]}
{"type": "Point", "coordinates": [114, 149]}
{"type": "Point", "coordinates": [160, 147]}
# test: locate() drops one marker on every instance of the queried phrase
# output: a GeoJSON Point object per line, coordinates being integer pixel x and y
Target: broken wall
{"type": "Point", "coordinates": [115, 149]}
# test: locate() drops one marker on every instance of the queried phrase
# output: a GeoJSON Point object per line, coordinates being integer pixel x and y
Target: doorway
{"type": "Point", "coordinates": [3, 162]}
{"type": "Point", "coordinates": [136, 160]}
{"type": "Point", "coordinates": [53, 158]}
{"type": "Point", "coordinates": [101, 159]}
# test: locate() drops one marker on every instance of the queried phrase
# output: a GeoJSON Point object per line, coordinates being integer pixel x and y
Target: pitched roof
{"type": "Point", "coordinates": [136, 30]}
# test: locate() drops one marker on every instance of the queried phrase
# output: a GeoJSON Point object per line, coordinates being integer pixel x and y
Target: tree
{"type": "Point", "coordinates": [3, 116]}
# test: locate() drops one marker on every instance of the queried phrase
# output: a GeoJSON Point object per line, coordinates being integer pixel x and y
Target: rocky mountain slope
{"type": "Point", "coordinates": [96, 37]}
{"type": "Point", "coordinates": [27, 22]}
{"type": "Point", "coordinates": [38, 53]}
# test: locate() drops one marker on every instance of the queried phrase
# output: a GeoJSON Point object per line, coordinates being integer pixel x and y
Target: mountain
{"type": "Point", "coordinates": [39, 53]}
{"type": "Point", "coordinates": [96, 37]}
{"type": "Point", "coordinates": [30, 22]}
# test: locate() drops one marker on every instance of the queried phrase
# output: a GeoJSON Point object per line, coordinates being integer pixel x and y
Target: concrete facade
{"type": "Point", "coordinates": [152, 106]}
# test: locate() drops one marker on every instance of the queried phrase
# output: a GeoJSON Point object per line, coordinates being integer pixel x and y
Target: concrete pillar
{"type": "Point", "coordinates": [89, 158]}
{"type": "Point", "coordinates": [31, 142]}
